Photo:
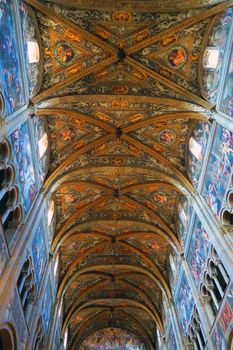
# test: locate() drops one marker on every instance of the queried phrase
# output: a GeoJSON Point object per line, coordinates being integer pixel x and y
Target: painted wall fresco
{"type": "Point", "coordinates": [42, 146]}
{"type": "Point", "coordinates": [10, 70]}
{"type": "Point", "coordinates": [227, 97]}
{"type": "Point", "coordinates": [3, 254]}
{"type": "Point", "coordinates": [171, 340]}
{"type": "Point", "coordinates": [50, 219]}
{"type": "Point", "coordinates": [219, 169]}
{"type": "Point", "coordinates": [57, 339]}
{"type": "Point", "coordinates": [165, 311]}
{"type": "Point", "coordinates": [224, 325]}
{"type": "Point", "coordinates": [22, 154]}
{"type": "Point", "coordinates": [55, 273]}
{"type": "Point", "coordinates": [184, 212]}
{"type": "Point", "coordinates": [184, 303]}
{"type": "Point", "coordinates": [38, 253]}
{"type": "Point", "coordinates": [173, 270]}
{"type": "Point", "coordinates": [112, 338]}
{"type": "Point", "coordinates": [218, 39]}
{"type": "Point", "coordinates": [200, 134]}
{"type": "Point", "coordinates": [56, 343]}
{"type": "Point", "coordinates": [31, 47]}
{"type": "Point", "coordinates": [17, 319]}
{"type": "Point", "coordinates": [47, 306]}
{"type": "Point", "coordinates": [198, 251]}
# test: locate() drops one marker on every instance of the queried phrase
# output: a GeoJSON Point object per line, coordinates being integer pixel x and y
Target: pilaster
{"type": "Point", "coordinates": [25, 235]}
{"type": "Point", "coordinates": [205, 321]}
{"type": "Point", "coordinates": [176, 326]}
{"type": "Point", "coordinates": [216, 233]}
{"type": "Point", "coordinates": [54, 321]}
{"type": "Point", "coordinates": [38, 303]}
{"type": "Point", "coordinates": [8, 127]}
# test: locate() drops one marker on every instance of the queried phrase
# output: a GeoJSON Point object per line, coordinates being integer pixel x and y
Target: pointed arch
{"type": "Point", "coordinates": [103, 284]}
{"type": "Point", "coordinates": [72, 274]}
{"type": "Point", "coordinates": [140, 326]}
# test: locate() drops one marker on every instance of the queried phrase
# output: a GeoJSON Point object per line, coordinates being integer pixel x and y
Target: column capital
{"type": "Point", "coordinates": [2, 122]}
{"type": "Point", "coordinates": [181, 256]}
{"type": "Point", "coordinates": [31, 109]}
{"type": "Point", "coordinates": [204, 299]}
{"type": "Point", "coordinates": [226, 229]}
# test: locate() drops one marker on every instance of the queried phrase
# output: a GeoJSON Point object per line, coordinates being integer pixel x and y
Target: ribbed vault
{"type": "Point", "coordinates": [120, 109]}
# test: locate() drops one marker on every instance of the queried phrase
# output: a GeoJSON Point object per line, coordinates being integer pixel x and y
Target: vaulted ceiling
{"type": "Point", "coordinates": [121, 91]}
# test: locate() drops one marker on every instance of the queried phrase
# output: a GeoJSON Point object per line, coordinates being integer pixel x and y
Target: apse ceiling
{"type": "Point", "coordinates": [121, 91]}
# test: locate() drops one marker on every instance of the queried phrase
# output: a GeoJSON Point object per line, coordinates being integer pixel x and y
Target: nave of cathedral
{"type": "Point", "coordinates": [116, 175]}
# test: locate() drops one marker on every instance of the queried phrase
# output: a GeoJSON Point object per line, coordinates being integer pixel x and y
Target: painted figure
{"type": "Point", "coordinates": [10, 70]}
{"type": "Point", "coordinates": [23, 163]}
{"type": "Point", "coordinates": [219, 169]}
{"type": "Point", "coordinates": [177, 57]}
{"type": "Point", "coordinates": [67, 134]}
{"type": "Point", "coordinates": [167, 136]}
{"type": "Point", "coordinates": [226, 317]}
{"type": "Point", "coordinates": [198, 251]}
{"type": "Point", "coordinates": [184, 303]}
{"type": "Point", "coordinates": [38, 253]}
{"type": "Point", "coordinates": [64, 53]}
{"type": "Point", "coordinates": [112, 338]}
{"type": "Point", "coordinates": [160, 198]}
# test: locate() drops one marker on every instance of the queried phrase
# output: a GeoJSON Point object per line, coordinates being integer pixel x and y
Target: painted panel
{"type": "Point", "coordinates": [38, 253]}
{"type": "Point", "coordinates": [17, 318]}
{"type": "Point", "coordinates": [184, 303]}
{"type": "Point", "coordinates": [3, 254]}
{"type": "Point", "coordinates": [22, 154]}
{"type": "Point", "coordinates": [41, 143]}
{"type": "Point", "coordinates": [55, 273]}
{"type": "Point", "coordinates": [219, 169]}
{"type": "Point", "coordinates": [31, 47]}
{"type": "Point", "coordinates": [227, 97]}
{"type": "Point", "coordinates": [165, 312]}
{"type": "Point", "coordinates": [57, 338]}
{"type": "Point", "coordinates": [56, 343]}
{"type": "Point", "coordinates": [225, 322]}
{"type": "Point", "coordinates": [218, 338]}
{"type": "Point", "coordinates": [198, 251]}
{"type": "Point", "coordinates": [172, 345]}
{"type": "Point", "coordinates": [47, 306]}
{"type": "Point", "coordinates": [112, 338]}
{"type": "Point", "coordinates": [10, 70]}
{"type": "Point", "coordinates": [198, 142]}
{"type": "Point", "coordinates": [184, 209]}
{"type": "Point", "coordinates": [173, 271]}
{"type": "Point", "coordinates": [50, 219]}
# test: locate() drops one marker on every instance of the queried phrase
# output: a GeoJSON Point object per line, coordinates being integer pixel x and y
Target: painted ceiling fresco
{"type": "Point", "coordinates": [112, 338]}
{"type": "Point", "coordinates": [122, 97]}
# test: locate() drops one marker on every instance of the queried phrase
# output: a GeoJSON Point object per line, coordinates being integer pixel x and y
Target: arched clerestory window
{"type": "Point", "coordinates": [27, 287]}
{"type": "Point", "coordinates": [7, 337]}
{"type": "Point", "coordinates": [39, 337]}
{"type": "Point", "coordinates": [10, 208]}
{"type": "Point", "coordinates": [214, 284]}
